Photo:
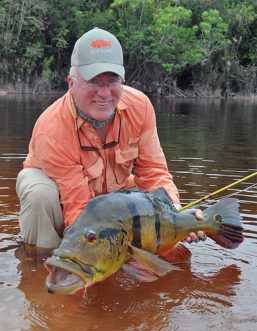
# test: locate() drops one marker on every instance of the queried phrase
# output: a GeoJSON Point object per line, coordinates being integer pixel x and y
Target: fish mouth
{"type": "Point", "coordinates": [67, 276]}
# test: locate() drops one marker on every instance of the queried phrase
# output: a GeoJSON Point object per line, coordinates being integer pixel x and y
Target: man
{"type": "Point", "coordinates": [87, 143]}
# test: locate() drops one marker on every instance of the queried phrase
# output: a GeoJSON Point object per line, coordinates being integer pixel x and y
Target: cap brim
{"type": "Point", "coordinates": [92, 70]}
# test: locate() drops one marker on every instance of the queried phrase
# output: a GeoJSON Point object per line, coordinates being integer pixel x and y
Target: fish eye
{"type": "Point", "coordinates": [90, 236]}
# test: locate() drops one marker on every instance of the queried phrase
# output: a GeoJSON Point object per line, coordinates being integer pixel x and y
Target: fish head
{"type": "Point", "coordinates": [87, 254]}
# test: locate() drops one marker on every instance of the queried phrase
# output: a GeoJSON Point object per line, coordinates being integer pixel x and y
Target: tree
{"type": "Point", "coordinates": [22, 28]}
{"type": "Point", "coordinates": [207, 46]}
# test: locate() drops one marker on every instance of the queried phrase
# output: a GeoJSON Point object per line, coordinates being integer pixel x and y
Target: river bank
{"type": "Point", "coordinates": [180, 94]}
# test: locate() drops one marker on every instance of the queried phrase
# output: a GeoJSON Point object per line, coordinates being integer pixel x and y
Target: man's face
{"type": "Point", "coordinates": [94, 97]}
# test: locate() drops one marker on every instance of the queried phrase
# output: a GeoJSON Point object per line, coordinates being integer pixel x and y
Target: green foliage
{"type": "Point", "coordinates": [46, 72]}
{"type": "Point", "coordinates": [177, 48]}
{"type": "Point", "coordinates": [171, 43]}
{"type": "Point", "coordinates": [21, 36]}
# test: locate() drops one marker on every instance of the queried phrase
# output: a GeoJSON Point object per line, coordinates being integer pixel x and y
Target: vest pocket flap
{"type": "Point", "coordinates": [133, 141]}
{"type": "Point", "coordinates": [96, 169]}
{"type": "Point", "coordinates": [123, 156]}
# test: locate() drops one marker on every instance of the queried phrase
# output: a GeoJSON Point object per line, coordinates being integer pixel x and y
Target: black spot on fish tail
{"type": "Point", "coordinates": [157, 229]}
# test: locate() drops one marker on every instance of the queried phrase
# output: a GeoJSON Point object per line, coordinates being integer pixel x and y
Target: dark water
{"type": "Point", "coordinates": [208, 145]}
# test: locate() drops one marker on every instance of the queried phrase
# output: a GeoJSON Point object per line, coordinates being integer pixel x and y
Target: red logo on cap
{"type": "Point", "coordinates": [100, 43]}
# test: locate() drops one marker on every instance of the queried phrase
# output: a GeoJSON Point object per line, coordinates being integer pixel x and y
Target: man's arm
{"type": "Point", "coordinates": [150, 167]}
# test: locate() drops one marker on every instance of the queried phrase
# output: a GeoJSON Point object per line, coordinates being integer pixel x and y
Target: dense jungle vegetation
{"type": "Point", "coordinates": [172, 47]}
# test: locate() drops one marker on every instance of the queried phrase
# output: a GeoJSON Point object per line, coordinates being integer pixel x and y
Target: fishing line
{"type": "Point", "coordinates": [209, 201]}
{"type": "Point", "coordinates": [240, 191]}
{"type": "Point", "coordinates": [85, 295]}
{"type": "Point", "coordinates": [216, 192]}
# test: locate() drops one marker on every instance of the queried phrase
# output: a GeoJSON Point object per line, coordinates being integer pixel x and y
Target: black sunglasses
{"type": "Point", "coordinates": [104, 146]}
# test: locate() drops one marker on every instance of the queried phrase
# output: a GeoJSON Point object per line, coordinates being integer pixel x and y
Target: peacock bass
{"type": "Point", "coordinates": [136, 231]}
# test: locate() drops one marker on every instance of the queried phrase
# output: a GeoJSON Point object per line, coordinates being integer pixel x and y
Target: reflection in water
{"type": "Point", "coordinates": [208, 145]}
{"type": "Point", "coordinates": [143, 306]}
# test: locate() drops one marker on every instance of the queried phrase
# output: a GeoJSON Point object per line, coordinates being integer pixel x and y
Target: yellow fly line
{"type": "Point", "coordinates": [216, 192]}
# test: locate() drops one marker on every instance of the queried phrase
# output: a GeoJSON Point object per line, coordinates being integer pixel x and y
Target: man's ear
{"type": "Point", "coordinates": [70, 82]}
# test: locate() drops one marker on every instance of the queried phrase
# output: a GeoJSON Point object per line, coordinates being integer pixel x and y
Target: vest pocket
{"type": "Point", "coordinates": [95, 170]}
{"type": "Point", "coordinates": [124, 163]}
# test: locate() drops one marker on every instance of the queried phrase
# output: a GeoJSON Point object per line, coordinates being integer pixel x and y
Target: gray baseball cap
{"type": "Point", "coordinates": [97, 51]}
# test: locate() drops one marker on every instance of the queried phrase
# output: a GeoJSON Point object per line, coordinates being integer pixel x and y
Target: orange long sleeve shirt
{"type": "Point", "coordinates": [81, 175]}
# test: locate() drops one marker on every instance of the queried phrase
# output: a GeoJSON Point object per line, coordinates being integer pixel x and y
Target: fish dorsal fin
{"type": "Point", "coordinates": [160, 196]}
{"type": "Point", "coordinates": [151, 261]}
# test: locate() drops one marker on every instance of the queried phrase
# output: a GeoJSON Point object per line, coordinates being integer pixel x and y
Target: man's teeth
{"type": "Point", "coordinates": [102, 103]}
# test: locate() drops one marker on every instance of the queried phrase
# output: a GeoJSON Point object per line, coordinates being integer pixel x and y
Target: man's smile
{"type": "Point", "coordinates": [102, 103]}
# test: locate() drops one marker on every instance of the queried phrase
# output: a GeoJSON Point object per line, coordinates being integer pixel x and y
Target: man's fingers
{"type": "Point", "coordinates": [201, 235]}
{"type": "Point", "coordinates": [193, 237]}
{"type": "Point", "coordinates": [199, 214]}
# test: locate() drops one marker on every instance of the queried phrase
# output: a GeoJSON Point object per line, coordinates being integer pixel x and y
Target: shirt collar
{"type": "Point", "coordinates": [74, 111]}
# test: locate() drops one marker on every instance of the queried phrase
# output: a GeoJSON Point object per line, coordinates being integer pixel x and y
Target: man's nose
{"type": "Point", "coordinates": [104, 90]}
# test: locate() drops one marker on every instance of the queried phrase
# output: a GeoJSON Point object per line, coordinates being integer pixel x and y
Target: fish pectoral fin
{"type": "Point", "coordinates": [179, 254]}
{"type": "Point", "coordinates": [152, 262]}
{"type": "Point", "coordinates": [137, 271]}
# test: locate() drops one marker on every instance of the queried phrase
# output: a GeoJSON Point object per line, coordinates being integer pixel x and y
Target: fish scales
{"type": "Point", "coordinates": [131, 230]}
{"type": "Point", "coordinates": [151, 229]}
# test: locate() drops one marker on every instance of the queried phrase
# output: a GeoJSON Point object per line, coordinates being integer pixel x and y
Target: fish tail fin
{"type": "Point", "coordinates": [225, 223]}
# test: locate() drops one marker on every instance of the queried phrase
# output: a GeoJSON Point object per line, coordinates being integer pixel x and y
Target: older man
{"type": "Point", "coordinates": [88, 142]}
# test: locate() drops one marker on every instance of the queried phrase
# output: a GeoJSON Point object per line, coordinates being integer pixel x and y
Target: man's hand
{"type": "Point", "coordinates": [200, 235]}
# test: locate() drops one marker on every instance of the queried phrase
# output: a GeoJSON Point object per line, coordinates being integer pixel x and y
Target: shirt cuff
{"type": "Point", "coordinates": [177, 206]}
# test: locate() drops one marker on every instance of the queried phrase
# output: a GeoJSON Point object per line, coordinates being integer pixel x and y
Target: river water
{"type": "Point", "coordinates": [208, 144]}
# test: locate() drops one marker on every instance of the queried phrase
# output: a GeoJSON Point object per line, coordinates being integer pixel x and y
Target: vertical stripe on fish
{"type": "Point", "coordinates": [157, 230]}
{"type": "Point", "coordinates": [136, 229]}
{"type": "Point", "coordinates": [136, 225]}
